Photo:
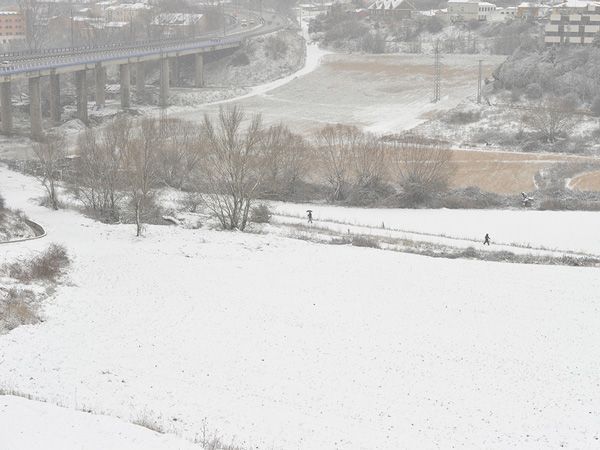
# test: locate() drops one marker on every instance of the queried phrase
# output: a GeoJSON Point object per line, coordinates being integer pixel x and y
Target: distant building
{"type": "Point", "coordinates": [573, 22]}
{"type": "Point", "coordinates": [398, 8]}
{"type": "Point", "coordinates": [529, 10]}
{"type": "Point", "coordinates": [127, 12]}
{"type": "Point", "coordinates": [503, 14]}
{"type": "Point", "coordinates": [466, 11]}
{"type": "Point", "coordinates": [12, 26]}
{"type": "Point", "coordinates": [179, 24]}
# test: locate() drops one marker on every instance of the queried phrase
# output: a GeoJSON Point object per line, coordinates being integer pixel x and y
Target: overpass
{"type": "Point", "coordinates": [56, 62]}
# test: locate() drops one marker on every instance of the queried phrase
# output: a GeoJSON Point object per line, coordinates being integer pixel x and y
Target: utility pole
{"type": "Point", "coordinates": [437, 72]}
{"type": "Point", "coordinates": [72, 33]}
{"type": "Point", "coordinates": [479, 81]}
{"type": "Point", "coordinates": [223, 16]}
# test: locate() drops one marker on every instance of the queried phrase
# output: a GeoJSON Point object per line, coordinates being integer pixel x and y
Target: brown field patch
{"type": "Point", "coordinates": [502, 172]}
{"type": "Point", "coordinates": [589, 181]}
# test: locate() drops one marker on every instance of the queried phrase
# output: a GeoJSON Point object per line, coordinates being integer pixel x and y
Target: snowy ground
{"type": "Point", "coordinates": [381, 93]}
{"type": "Point", "coordinates": [562, 230]}
{"type": "Point", "coordinates": [294, 345]}
{"type": "Point", "coordinates": [13, 227]}
{"type": "Point", "coordinates": [35, 425]}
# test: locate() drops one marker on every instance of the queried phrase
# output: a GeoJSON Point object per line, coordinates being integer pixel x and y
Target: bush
{"type": "Point", "coordinates": [275, 47]}
{"type": "Point", "coordinates": [16, 308]}
{"type": "Point", "coordinates": [191, 201]}
{"type": "Point", "coordinates": [2, 208]}
{"type": "Point", "coordinates": [240, 59]}
{"type": "Point", "coordinates": [261, 214]}
{"type": "Point", "coordinates": [365, 241]}
{"type": "Point", "coordinates": [48, 265]}
{"type": "Point", "coordinates": [372, 194]}
{"type": "Point", "coordinates": [534, 91]}
{"type": "Point", "coordinates": [463, 117]}
{"type": "Point", "coordinates": [596, 106]}
{"type": "Point", "coordinates": [373, 43]}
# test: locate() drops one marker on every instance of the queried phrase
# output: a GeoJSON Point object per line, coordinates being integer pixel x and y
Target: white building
{"type": "Point", "coordinates": [503, 14]}
{"type": "Point", "coordinates": [572, 22]}
{"type": "Point", "coordinates": [465, 11]}
{"type": "Point", "coordinates": [126, 12]}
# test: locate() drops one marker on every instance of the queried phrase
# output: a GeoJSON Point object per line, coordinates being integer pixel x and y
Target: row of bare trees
{"type": "Point", "coordinates": [362, 168]}
{"type": "Point", "coordinates": [231, 160]}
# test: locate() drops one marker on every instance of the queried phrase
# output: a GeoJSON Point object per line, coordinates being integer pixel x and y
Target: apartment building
{"type": "Point", "coordinates": [573, 22]}
{"type": "Point", "coordinates": [12, 26]}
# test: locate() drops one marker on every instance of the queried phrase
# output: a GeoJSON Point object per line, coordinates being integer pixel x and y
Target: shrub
{"type": "Point", "coordinates": [2, 208]}
{"type": "Point", "coordinates": [596, 106]}
{"type": "Point", "coordinates": [469, 252]}
{"type": "Point", "coordinates": [48, 265]}
{"type": "Point", "coordinates": [463, 117]}
{"type": "Point", "coordinates": [365, 241]}
{"type": "Point", "coordinates": [373, 43]}
{"type": "Point", "coordinates": [260, 214]}
{"type": "Point", "coordinates": [191, 201]}
{"type": "Point", "coordinates": [275, 47]}
{"type": "Point", "coordinates": [534, 91]}
{"type": "Point", "coordinates": [16, 309]}
{"type": "Point", "coordinates": [240, 59]}
{"type": "Point", "coordinates": [373, 193]}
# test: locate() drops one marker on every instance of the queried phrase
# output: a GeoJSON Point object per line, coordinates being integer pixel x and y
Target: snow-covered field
{"type": "Point", "coordinates": [381, 93]}
{"type": "Point", "coordinates": [31, 425]}
{"type": "Point", "coordinates": [562, 230]}
{"type": "Point", "coordinates": [280, 343]}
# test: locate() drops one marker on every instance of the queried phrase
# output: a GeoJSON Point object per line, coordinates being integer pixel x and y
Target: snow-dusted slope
{"type": "Point", "coordinates": [563, 230]}
{"type": "Point", "coordinates": [29, 425]}
{"type": "Point", "coordinates": [287, 344]}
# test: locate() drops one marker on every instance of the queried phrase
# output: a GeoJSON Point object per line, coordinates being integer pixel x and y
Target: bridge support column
{"type": "Point", "coordinates": [198, 70]}
{"type": "Point", "coordinates": [125, 77]}
{"type": "Point", "coordinates": [35, 108]}
{"type": "Point", "coordinates": [81, 90]}
{"type": "Point", "coordinates": [6, 107]}
{"type": "Point", "coordinates": [55, 109]}
{"type": "Point", "coordinates": [140, 81]}
{"type": "Point", "coordinates": [100, 75]}
{"type": "Point", "coordinates": [163, 100]}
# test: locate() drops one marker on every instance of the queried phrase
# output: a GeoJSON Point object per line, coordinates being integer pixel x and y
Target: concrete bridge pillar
{"type": "Point", "coordinates": [100, 75]}
{"type": "Point", "coordinates": [55, 108]}
{"type": "Point", "coordinates": [140, 81]}
{"type": "Point", "coordinates": [163, 100]}
{"type": "Point", "coordinates": [198, 70]}
{"type": "Point", "coordinates": [125, 77]}
{"type": "Point", "coordinates": [81, 90]}
{"type": "Point", "coordinates": [6, 107]}
{"type": "Point", "coordinates": [35, 107]}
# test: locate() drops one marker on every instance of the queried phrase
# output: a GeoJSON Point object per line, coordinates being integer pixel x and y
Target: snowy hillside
{"type": "Point", "coordinates": [275, 343]}
{"type": "Point", "coordinates": [29, 425]}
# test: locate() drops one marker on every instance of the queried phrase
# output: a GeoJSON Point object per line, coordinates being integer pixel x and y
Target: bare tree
{"type": "Point", "coordinates": [232, 168]}
{"type": "Point", "coordinates": [368, 160]}
{"type": "Point", "coordinates": [33, 12]}
{"type": "Point", "coordinates": [140, 165]}
{"type": "Point", "coordinates": [179, 152]}
{"type": "Point", "coordinates": [50, 154]}
{"type": "Point", "coordinates": [99, 179]}
{"type": "Point", "coordinates": [286, 157]}
{"type": "Point", "coordinates": [423, 168]}
{"type": "Point", "coordinates": [335, 144]}
{"type": "Point", "coordinates": [551, 119]}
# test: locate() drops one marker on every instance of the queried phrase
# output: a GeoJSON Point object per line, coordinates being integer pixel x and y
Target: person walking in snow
{"type": "Point", "coordinates": [309, 214]}
{"type": "Point", "coordinates": [486, 239]}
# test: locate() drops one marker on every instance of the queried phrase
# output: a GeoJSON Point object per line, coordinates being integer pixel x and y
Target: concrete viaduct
{"type": "Point", "coordinates": [55, 63]}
